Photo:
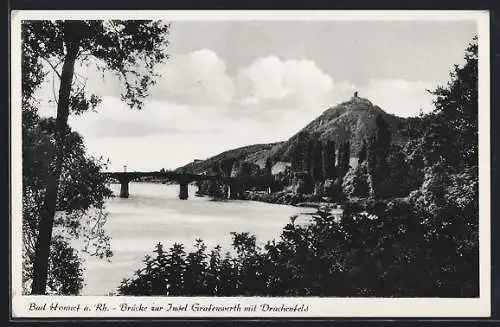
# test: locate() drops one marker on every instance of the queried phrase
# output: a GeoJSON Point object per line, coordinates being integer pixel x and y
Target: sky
{"type": "Point", "coordinates": [234, 83]}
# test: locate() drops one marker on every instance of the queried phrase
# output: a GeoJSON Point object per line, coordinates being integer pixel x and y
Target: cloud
{"type": "Point", "coordinates": [198, 77]}
{"type": "Point", "coordinates": [113, 128]}
{"type": "Point", "coordinates": [115, 119]}
{"type": "Point", "coordinates": [197, 109]}
{"type": "Point", "coordinates": [271, 83]}
{"type": "Point", "coordinates": [161, 137]}
{"type": "Point", "coordinates": [269, 86]}
{"type": "Point", "coordinates": [398, 96]}
{"type": "Point", "coordinates": [262, 90]}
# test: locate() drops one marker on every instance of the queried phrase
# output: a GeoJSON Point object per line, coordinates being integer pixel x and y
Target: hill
{"type": "Point", "coordinates": [352, 121]}
{"type": "Point", "coordinates": [250, 153]}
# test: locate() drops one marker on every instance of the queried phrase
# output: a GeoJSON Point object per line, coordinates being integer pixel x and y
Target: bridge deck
{"type": "Point", "coordinates": [186, 177]}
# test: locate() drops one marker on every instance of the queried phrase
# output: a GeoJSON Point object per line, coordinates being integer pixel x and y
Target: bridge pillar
{"type": "Point", "coordinates": [183, 191]}
{"type": "Point", "coordinates": [124, 193]}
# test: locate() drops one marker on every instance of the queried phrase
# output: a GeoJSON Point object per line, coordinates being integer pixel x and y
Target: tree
{"type": "Point", "coordinates": [308, 156]}
{"type": "Point", "coordinates": [377, 153]}
{"type": "Point", "coordinates": [130, 49]}
{"type": "Point", "coordinates": [195, 276]}
{"type": "Point", "coordinates": [328, 156]}
{"type": "Point", "coordinates": [457, 110]}
{"type": "Point", "coordinates": [316, 159]}
{"type": "Point", "coordinates": [344, 157]}
{"type": "Point", "coordinates": [382, 138]}
{"type": "Point", "coordinates": [362, 152]}
{"type": "Point", "coordinates": [268, 166]}
{"type": "Point", "coordinates": [214, 277]}
{"type": "Point", "coordinates": [226, 166]}
{"type": "Point", "coordinates": [215, 186]}
{"type": "Point", "coordinates": [398, 181]}
{"type": "Point", "coordinates": [299, 152]}
{"type": "Point", "coordinates": [65, 269]}
{"type": "Point", "coordinates": [80, 202]}
{"type": "Point", "coordinates": [356, 182]}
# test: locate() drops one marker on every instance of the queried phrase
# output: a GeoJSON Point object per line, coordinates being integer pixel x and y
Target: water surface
{"type": "Point", "coordinates": [153, 213]}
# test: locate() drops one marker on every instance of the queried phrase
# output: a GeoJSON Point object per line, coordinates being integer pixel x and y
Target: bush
{"type": "Point", "coordinates": [377, 248]}
{"type": "Point", "coordinates": [357, 182]}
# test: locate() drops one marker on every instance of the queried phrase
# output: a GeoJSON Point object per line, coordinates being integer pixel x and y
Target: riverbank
{"type": "Point", "coordinates": [294, 199]}
{"type": "Point", "coordinates": [288, 198]}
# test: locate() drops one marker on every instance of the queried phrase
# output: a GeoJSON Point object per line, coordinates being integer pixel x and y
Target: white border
{"type": "Point", "coordinates": [318, 307]}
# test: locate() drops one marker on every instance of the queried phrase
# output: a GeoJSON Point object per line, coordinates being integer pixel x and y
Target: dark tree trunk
{"type": "Point", "coordinates": [47, 212]}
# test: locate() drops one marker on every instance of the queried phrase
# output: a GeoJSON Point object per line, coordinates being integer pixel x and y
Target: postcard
{"type": "Point", "coordinates": [244, 164]}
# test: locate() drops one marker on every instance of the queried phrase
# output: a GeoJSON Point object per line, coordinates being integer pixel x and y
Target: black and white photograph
{"type": "Point", "coordinates": [233, 157]}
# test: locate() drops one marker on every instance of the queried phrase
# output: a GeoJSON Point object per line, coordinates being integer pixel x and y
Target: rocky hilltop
{"type": "Point", "coordinates": [351, 121]}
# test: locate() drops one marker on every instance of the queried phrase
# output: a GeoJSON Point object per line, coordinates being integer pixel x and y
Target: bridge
{"type": "Point", "coordinates": [237, 185]}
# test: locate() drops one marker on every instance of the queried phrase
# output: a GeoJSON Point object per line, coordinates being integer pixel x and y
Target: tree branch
{"type": "Point", "coordinates": [54, 89]}
{"type": "Point", "coordinates": [82, 83]}
{"type": "Point", "coordinates": [54, 68]}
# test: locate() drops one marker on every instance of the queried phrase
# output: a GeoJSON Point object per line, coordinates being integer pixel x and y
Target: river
{"type": "Point", "coordinates": [153, 213]}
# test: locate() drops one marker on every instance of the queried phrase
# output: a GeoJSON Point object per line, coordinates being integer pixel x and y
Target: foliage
{"type": "Point", "coordinates": [80, 203]}
{"type": "Point", "coordinates": [375, 249]}
{"type": "Point", "coordinates": [328, 156]}
{"type": "Point", "coordinates": [65, 269]}
{"type": "Point", "coordinates": [268, 168]}
{"type": "Point", "coordinates": [457, 110]}
{"type": "Point", "coordinates": [377, 153]}
{"type": "Point", "coordinates": [129, 49]}
{"type": "Point", "coordinates": [362, 152]}
{"type": "Point", "coordinates": [316, 150]}
{"type": "Point", "coordinates": [357, 182]}
{"type": "Point", "coordinates": [448, 203]}
{"type": "Point", "coordinates": [300, 153]}
{"type": "Point", "coordinates": [343, 159]}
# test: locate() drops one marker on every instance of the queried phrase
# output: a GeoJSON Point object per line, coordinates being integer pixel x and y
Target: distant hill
{"type": "Point", "coordinates": [250, 153]}
{"type": "Point", "coordinates": [352, 121]}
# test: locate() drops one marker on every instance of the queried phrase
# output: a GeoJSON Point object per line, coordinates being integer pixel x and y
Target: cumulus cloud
{"type": "Point", "coordinates": [198, 77]}
{"type": "Point", "coordinates": [272, 83]}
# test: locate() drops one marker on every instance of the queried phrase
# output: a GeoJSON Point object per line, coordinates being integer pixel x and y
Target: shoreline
{"type": "Point", "coordinates": [287, 198]}
{"type": "Point", "coordinates": [281, 197]}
